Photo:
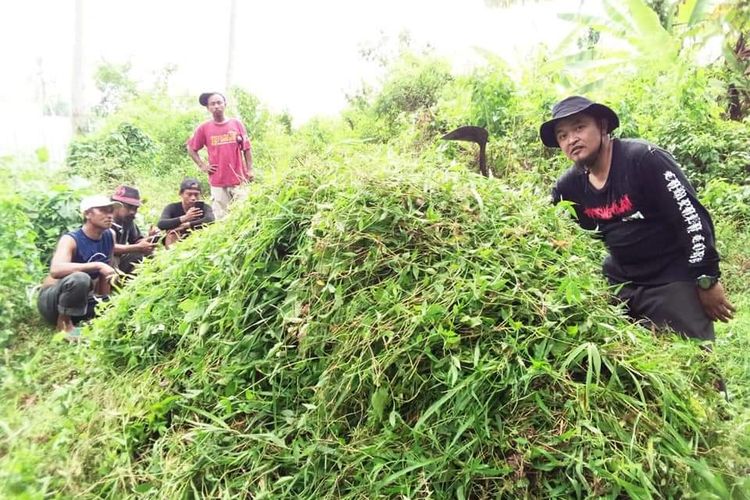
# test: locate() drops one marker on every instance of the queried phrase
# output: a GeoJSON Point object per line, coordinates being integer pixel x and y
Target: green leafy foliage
{"type": "Point", "coordinates": [728, 201]}
{"type": "Point", "coordinates": [485, 98]}
{"type": "Point", "coordinates": [252, 113]}
{"type": "Point", "coordinates": [392, 330]}
{"type": "Point", "coordinates": [53, 212]}
{"type": "Point", "coordinates": [115, 85]}
{"type": "Point", "coordinates": [19, 262]}
{"type": "Point", "coordinates": [411, 88]}
{"type": "Point", "coordinates": [375, 321]}
{"type": "Point", "coordinates": [33, 219]}
{"type": "Point", "coordinates": [721, 149]}
{"type": "Point", "coordinates": [144, 138]}
{"type": "Point", "coordinates": [111, 155]}
{"type": "Point", "coordinates": [143, 143]}
{"type": "Point", "coordinates": [682, 112]}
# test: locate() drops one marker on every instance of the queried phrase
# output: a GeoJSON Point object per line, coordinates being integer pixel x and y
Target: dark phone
{"type": "Point", "coordinates": [201, 205]}
{"type": "Point", "coordinates": [155, 238]}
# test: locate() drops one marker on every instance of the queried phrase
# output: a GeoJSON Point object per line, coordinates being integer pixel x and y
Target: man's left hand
{"type": "Point", "coordinates": [250, 175]}
{"type": "Point", "coordinates": [716, 304]}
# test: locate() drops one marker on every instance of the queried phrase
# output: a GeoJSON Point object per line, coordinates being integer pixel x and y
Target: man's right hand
{"type": "Point", "coordinates": [209, 169]}
{"type": "Point", "coordinates": [716, 304]}
{"type": "Point", "coordinates": [106, 270]}
{"type": "Point", "coordinates": [193, 213]}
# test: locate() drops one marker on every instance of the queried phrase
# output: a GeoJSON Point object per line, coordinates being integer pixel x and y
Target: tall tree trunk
{"type": "Point", "coordinates": [230, 49]}
{"type": "Point", "coordinates": [77, 106]}
{"type": "Point", "coordinates": [735, 104]}
{"type": "Point", "coordinates": [737, 96]}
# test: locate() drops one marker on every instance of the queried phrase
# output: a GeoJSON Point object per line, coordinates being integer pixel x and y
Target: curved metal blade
{"type": "Point", "coordinates": [468, 133]}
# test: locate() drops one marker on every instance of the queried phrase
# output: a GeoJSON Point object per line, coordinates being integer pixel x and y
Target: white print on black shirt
{"type": "Point", "coordinates": [689, 215]}
{"type": "Point", "coordinates": [637, 215]}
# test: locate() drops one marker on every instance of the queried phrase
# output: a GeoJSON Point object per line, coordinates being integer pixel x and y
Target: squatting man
{"type": "Point", "coordinates": [81, 270]}
{"type": "Point", "coordinates": [660, 238]}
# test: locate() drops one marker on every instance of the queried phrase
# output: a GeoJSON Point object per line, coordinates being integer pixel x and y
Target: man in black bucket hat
{"type": "Point", "coordinates": [660, 238]}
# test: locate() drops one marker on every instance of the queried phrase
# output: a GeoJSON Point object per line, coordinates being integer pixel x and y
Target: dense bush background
{"type": "Point", "coordinates": [52, 441]}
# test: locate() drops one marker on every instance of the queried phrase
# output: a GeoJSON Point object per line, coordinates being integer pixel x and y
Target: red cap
{"type": "Point", "coordinates": [127, 194]}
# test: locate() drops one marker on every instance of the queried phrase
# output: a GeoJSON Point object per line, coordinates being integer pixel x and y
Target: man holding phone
{"type": "Point", "coordinates": [187, 215]}
{"type": "Point", "coordinates": [130, 245]}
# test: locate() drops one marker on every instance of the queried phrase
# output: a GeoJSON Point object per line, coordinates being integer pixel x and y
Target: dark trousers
{"type": "Point", "coordinates": [69, 296]}
{"type": "Point", "coordinates": [674, 305]}
{"type": "Point", "coordinates": [127, 262]}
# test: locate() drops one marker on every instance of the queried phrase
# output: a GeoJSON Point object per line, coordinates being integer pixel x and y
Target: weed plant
{"type": "Point", "coordinates": [369, 326]}
{"type": "Point", "coordinates": [391, 331]}
{"type": "Point", "coordinates": [37, 208]}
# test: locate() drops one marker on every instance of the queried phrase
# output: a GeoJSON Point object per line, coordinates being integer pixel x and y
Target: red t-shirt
{"type": "Point", "coordinates": [224, 149]}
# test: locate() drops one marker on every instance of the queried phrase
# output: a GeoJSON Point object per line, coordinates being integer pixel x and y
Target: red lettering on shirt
{"type": "Point", "coordinates": [614, 209]}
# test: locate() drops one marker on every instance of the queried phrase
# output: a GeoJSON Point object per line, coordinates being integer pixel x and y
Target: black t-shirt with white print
{"type": "Point", "coordinates": [648, 214]}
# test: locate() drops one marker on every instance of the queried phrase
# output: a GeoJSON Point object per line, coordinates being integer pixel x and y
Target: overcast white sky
{"type": "Point", "coordinates": [294, 54]}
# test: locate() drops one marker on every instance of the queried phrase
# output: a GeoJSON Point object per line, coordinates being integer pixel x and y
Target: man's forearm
{"type": "Point", "coordinates": [197, 159]}
{"type": "Point", "coordinates": [102, 286]}
{"type": "Point", "coordinates": [121, 249]}
{"type": "Point", "coordinates": [63, 269]}
{"type": "Point", "coordinates": [249, 159]}
{"type": "Point", "coordinates": [166, 224]}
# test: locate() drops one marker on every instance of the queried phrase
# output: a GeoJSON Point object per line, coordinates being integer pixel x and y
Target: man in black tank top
{"type": "Point", "coordinates": [81, 268]}
{"type": "Point", "coordinates": [660, 238]}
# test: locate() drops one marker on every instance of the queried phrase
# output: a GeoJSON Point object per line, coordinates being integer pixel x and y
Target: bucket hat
{"type": "Point", "coordinates": [569, 107]}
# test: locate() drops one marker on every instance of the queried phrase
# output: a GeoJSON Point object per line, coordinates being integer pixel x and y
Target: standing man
{"type": "Point", "coordinates": [659, 236]}
{"type": "Point", "coordinates": [186, 215]}
{"type": "Point", "coordinates": [230, 160]}
{"type": "Point", "coordinates": [81, 268]}
{"type": "Point", "coordinates": [130, 245]}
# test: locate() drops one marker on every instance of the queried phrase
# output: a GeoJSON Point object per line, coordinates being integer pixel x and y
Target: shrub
{"type": "Point", "coordinates": [110, 157]}
{"type": "Point", "coordinates": [727, 201]}
{"type": "Point", "coordinates": [710, 149]}
{"type": "Point", "coordinates": [411, 88]}
{"type": "Point", "coordinates": [20, 266]}
{"type": "Point", "coordinates": [493, 101]}
{"type": "Point", "coordinates": [33, 219]}
{"type": "Point", "coordinates": [683, 113]}
{"type": "Point", "coordinates": [386, 331]}
{"type": "Point", "coordinates": [412, 85]}
{"type": "Point", "coordinates": [252, 113]}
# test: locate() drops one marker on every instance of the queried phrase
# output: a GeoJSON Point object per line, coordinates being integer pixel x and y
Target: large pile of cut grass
{"type": "Point", "coordinates": [387, 332]}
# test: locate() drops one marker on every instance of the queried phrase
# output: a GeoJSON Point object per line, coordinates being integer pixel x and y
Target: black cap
{"type": "Point", "coordinates": [569, 107]}
{"type": "Point", "coordinates": [189, 183]}
{"type": "Point", "coordinates": [203, 98]}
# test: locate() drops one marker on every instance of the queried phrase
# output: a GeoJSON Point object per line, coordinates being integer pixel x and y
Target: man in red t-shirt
{"type": "Point", "coordinates": [230, 160]}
